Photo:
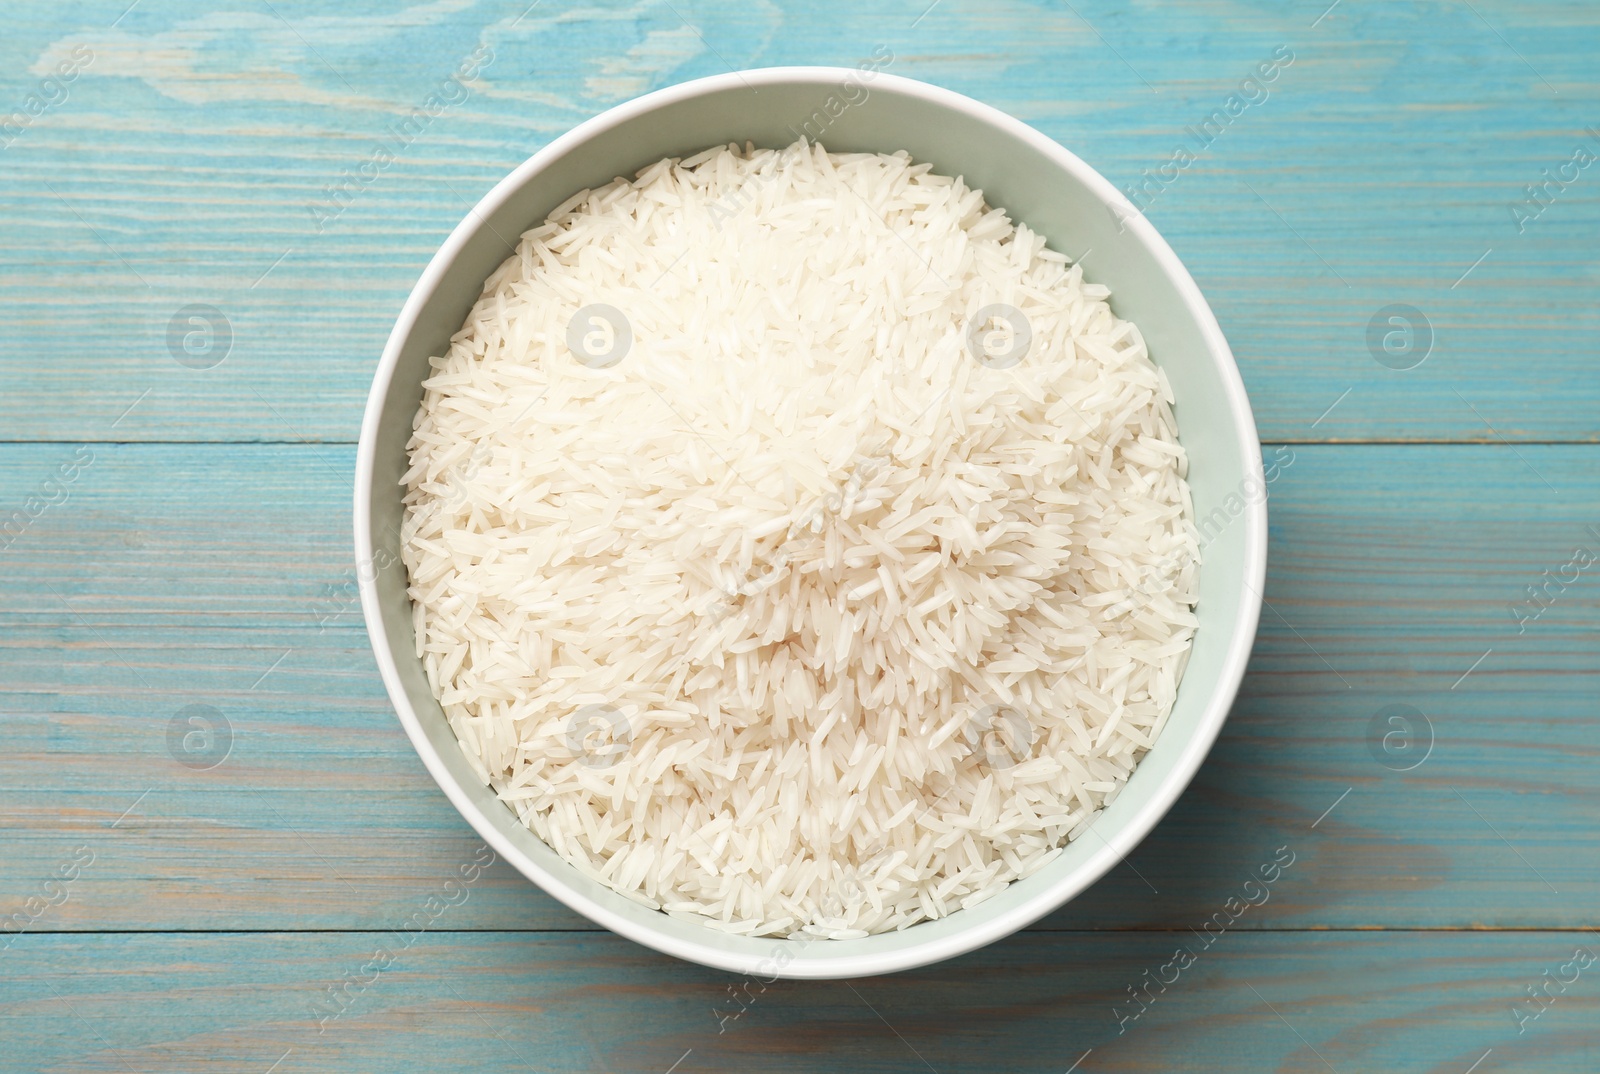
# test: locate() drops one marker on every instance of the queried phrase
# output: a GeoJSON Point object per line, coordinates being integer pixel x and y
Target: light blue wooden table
{"type": "Point", "coordinates": [174, 526]}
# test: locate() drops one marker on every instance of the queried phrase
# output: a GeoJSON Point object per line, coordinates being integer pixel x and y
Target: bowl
{"type": "Point", "coordinates": [1039, 183]}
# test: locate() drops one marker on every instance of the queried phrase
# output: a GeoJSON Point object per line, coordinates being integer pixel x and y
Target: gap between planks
{"type": "Point", "coordinates": [598, 931]}
{"type": "Point", "coordinates": [1491, 441]}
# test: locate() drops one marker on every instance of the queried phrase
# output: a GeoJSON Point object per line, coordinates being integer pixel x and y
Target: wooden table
{"type": "Point", "coordinates": [212, 820]}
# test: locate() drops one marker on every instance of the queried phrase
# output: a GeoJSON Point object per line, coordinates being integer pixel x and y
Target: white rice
{"type": "Point", "coordinates": [774, 607]}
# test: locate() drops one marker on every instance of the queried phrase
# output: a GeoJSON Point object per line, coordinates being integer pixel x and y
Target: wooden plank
{"type": "Point", "coordinates": [1401, 1002]}
{"type": "Point", "coordinates": [180, 575]}
{"type": "Point", "coordinates": [1389, 165]}
{"type": "Point", "coordinates": [1386, 161]}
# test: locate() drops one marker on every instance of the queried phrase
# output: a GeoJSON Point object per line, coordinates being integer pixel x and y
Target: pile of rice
{"type": "Point", "coordinates": [770, 583]}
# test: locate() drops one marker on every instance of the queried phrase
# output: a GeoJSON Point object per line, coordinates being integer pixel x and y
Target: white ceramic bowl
{"type": "Point", "coordinates": [1039, 183]}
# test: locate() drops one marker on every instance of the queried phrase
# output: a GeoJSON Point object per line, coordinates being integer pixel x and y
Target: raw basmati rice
{"type": "Point", "coordinates": [796, 545]}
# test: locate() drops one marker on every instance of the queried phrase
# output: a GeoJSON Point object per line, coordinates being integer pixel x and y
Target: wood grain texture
{"type": "Point", "coordinates": [179, 575]}
{"type": "Point", "coordinates": [187, 158]}
{"type": "Point", "coordinates": [1428, 1003]}
{"type": "Point", "coordinates": [184, 548]}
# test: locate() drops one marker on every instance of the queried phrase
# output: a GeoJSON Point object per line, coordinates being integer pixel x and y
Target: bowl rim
{"type": "Point", "coordinates": [984, 930]}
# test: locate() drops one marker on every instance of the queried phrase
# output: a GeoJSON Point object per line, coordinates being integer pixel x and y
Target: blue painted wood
{"type": "Point", "coordinates": [217, 576]}
{"type": "Point", "coordinates": [1251, 1002]}
{"type": "Point", "coordinates": [191, 160]}
{"type": "Point", "coordinates": [190, 555]}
